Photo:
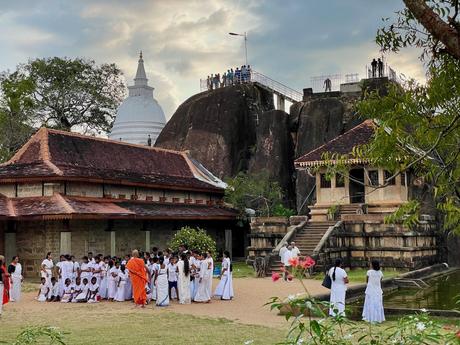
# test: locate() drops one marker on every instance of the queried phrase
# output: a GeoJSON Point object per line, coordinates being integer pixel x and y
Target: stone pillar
{"type": "Point", "coordinates": [280, 102]}
{"type": "Point", "coordinates": [65, 246]}
{"type": "Point", "coordinates": [228, 240]}
{"type": "Point", "coordinates": [10, 246]}
{"type": "Point", "coordinates": [112, 244]}
{"type": "Point", "coordinates": [147, 241]}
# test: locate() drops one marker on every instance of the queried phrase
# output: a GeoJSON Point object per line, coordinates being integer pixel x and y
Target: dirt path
{"type": "Point", "coordinates": [247, 307]}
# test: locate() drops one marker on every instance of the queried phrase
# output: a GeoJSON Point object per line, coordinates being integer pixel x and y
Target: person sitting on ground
{"type": "Point", "coordinates": [43, 291]}
{"type": "Point", "coordinates": [93, 291]}
{"type": "Point", "coordinates": [67, 294]}
{"type": "Point", "coordinates": [53, 295]}
{"type": "Point", "coordinates": [82, 296]}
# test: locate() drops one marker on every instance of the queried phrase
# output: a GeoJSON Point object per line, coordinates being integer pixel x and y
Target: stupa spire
{"type": "Point", "coordinates": [141, 78]}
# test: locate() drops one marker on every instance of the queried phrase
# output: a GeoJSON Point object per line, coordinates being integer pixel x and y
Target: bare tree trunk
{"type": "Point", "coordinates": [440, 30]}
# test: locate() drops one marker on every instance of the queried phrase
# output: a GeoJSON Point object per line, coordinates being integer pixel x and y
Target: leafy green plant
{"type": "Point", "coordinates": [280, 211]}
{"type": "Point", "coordinates": [254, 191]}
{"type": "Point", "coordinates": [39, 335]}
{"type": "Point", "coordinates": [333, 211]}
{"type": "Point", "coordinates": [196, 239]}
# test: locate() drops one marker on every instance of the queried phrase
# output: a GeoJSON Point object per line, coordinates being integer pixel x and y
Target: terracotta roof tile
{"type": "Point", "coordinates": [66, 207]}
{"type": "Point", "coordinates": [51, 153]}
{"type": "Point", "coordinates": [343, 144]}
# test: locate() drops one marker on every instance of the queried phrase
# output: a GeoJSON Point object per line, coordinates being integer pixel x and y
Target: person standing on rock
{"type": "Point", "coordinates": [374, 68]}
{"type": "Point", "coordinates": [380, 67]}
{"type": "Point", "coordinates": [327, 85]}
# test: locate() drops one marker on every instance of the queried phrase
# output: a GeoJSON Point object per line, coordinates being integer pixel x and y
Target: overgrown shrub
{"type": "Point", "coordinates": [196, 239]}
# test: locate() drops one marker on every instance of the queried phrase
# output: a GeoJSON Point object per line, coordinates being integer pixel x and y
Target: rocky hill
{"type": "Point", "coordinates": [237, 129]}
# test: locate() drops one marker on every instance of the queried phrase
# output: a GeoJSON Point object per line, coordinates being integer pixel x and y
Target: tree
{"type": "Point", "coordinates": [194, 239]}
{"type": "Point", "coordinates": [74, 93]}
{"type": "Point", "coordinates": [255, 192]}
{"type": "Point", "coordinates": [16, 105]}
{"type": "Point", "coordinates": [419, 125]}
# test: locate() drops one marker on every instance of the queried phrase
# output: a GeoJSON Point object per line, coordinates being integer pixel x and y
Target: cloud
{"type": "Point", "coordinates": [185, 40]}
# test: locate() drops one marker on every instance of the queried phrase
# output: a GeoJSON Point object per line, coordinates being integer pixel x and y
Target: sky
{"type": "Point", "coordinates": [185, 40]}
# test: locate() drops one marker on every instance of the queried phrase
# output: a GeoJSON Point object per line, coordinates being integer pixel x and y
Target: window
{"type": "Point", "coordinates": [339, 180]}
{"type": "Point", "coordinates": [387, 175]}
{"type": "Point", "coordinates": [373, 177]}
{"type": "Point", "coordinates": [403, 179]}
{"type": "Point", "coordinates": [324, 181]}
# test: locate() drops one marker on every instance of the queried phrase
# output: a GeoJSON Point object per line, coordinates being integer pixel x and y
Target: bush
{"type": "Point", "coordinates": [280, 211]}
{"type": "Point", "coordinates": [196, 239]}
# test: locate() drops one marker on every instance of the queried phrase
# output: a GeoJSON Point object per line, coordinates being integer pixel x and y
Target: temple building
{"type": "Point", "coordinates": [347, 220]}
{"type": "Point", "coordinates": [69, 193]}
{"type": "Point", "coordinates": [363, 182]}
{"type": "Point", "coordinates": [140, 118]}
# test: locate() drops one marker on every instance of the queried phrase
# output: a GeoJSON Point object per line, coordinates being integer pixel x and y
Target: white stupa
{"type": "Point", "coordinates": [139, 116]}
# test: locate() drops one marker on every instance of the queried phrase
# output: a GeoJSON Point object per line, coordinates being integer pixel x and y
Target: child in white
{"type": "Point", "coordinates": [172, 278]}
{"type": "Point", "coordinates": [93, 291]}
{"type": "Point", "coordinates": [121, 284]}
{"type": "Point", "coordinates": [82, 295]}
{"type": "Point", "coordinates": [338, 288]}
{"type": "Point", "coordinates": [113, 279]}
{"type": "Point", "coordinates": [68, 291]}
{"type": "Point", "coordinates": [373, 303]}
{"type": "Point", "coordinates": [43, 290]}
{"type": "Point", "coordinates": [53, 295]}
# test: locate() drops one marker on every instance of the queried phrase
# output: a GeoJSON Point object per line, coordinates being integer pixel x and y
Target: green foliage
{"type": "Point", "coordinates": [40, 334]}
{"type": "Point", "coordinates": [16, 105]}
{"type": "Point", "coordinates": [71, 93]}
{"type": "Point", "coordinates": [333, 211]}
{"type": "Point", "coordinates": [255, 191]}
{"type": "Point", "coordinates": [280, 211]}
{"type": "Point", "coordinates": [195, 239]}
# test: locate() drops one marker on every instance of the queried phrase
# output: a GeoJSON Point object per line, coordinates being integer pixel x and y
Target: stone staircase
{"type": "Point", "coordinates": [349, 209]}
{"type": "Point", "coordinates": [306, 239]}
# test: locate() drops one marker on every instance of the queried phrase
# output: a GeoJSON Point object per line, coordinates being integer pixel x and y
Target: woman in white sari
{"type": "Point", "coordinates": [183, 281]}
{"type": "Point", "coordinates": [373, 304]}
{"type": "Point", "coordinates": [203, 293]}
{"type": "Point", "coordinates": [162, 285]}
{"type": "Point", "coordinates": [16, 279]}
{"type": "Point", "coordinates": [46, 268]}
{"type": "Point", "coordinates": [225, 288]}
{"type": "Point", "coordinates": [338, 288]}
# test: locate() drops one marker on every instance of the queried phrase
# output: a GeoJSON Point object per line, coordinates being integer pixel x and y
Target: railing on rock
{"type": "Point", "coordinates": [265, 82]}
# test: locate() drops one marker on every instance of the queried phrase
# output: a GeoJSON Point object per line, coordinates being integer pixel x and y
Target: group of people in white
{"type": "Point", "coordinates": [230, 77]}
{"type": "Point", "coordinates": [373, 302]}
{"type": "Point", "coordinates": [185, 276]}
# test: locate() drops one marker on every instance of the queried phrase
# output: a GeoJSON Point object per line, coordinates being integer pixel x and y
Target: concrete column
{"type": "Point", "coordinates": [280, 103]}
{"type": "Point", "coordinates": [10, 246]}
{"type": "Point", "coordinates": [228, 240]}
{"type": "Point", "coordinates": [65, 246]}
{"type": "Point", "coordinates": [112, 243]}
{"type": "Point", "coordinates": [147, 241]}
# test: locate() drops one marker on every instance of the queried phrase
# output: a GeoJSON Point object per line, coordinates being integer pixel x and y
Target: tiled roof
{"type": "Point", "coordinates": [342, 145]}
{"type": "Point", "coordinates": [67, 207]}
{"type": "Point", "coordinates": [52, 154]}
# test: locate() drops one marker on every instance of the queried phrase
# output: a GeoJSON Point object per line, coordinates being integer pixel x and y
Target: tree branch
{"type": "Point", "coordinates": [440, 30]}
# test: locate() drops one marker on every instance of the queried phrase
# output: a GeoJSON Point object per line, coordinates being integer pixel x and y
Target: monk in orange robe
{"type": "Point", "coordinates": [138, 276]}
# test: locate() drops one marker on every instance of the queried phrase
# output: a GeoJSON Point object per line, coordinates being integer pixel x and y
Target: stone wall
{"type": "Point", "coordinates": [265, 234]}
{"type": "Point", "coordinates": [35, 238]}
{"type": "Point", "coordinates": [357, 243]}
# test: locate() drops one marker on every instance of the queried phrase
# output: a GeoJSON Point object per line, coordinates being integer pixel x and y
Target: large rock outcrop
{"type": "Point", "coordinates": [234, 129]}
{"type": "Point", "coordinates": [314, 121]}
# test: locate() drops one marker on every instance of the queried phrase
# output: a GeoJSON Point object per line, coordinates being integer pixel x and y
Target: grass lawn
{"type": "Point", "coordinates": [358, 275]}
{"type": "Point", "coordinates": [242, 270]}
{"type": "Point", "coordinates": [109, 323]}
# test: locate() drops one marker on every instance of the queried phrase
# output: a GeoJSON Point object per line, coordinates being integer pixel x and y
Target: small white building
{"type": "Point", "coordinates": [139, 116]}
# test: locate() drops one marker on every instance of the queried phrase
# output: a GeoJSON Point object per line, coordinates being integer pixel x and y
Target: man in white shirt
{"type": "Point", "coordinates": [295, 251]}
{"type": "Point", "coordinates": [282, 251]}
{"type": "Point", "coordinates": [287, 266]}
